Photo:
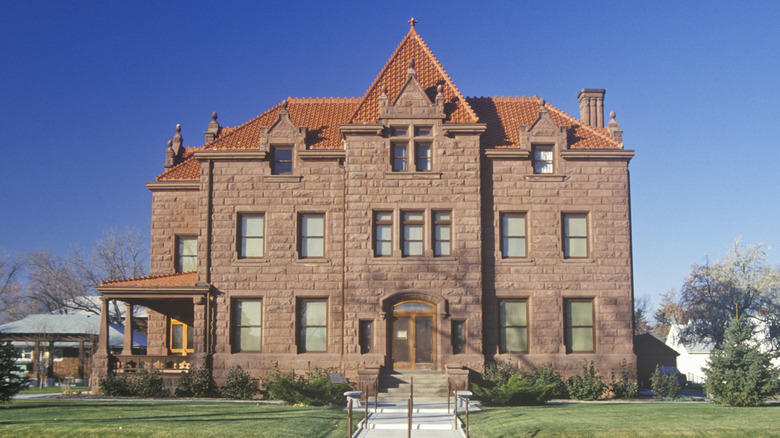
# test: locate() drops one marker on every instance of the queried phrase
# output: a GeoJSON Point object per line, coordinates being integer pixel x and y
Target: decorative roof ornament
{"type": "Point", "coordinates": [214, 129]}
{"type": "Point", "coordinates": [383, 99]}
{"type": "Point", "coordinates": [412, 22]}
{"type": "Point", "coordinates": [177, 140]}
{"type": "Point", "coordinates": [284, 104]}
{"type": "Point", "coordinates": [411, 73]}
{"type": "Point", "coordinates": [440, 97]}
{"type": "Point", "coordinates": [614, 128]}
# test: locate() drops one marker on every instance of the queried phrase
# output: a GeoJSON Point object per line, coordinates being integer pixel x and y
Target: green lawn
{"type": "Point", "coordinates": [77, 418]}
{"type": "Point", "coordinates": [52, 390]}
{"type": "Point", "coordinates": [626, 420]}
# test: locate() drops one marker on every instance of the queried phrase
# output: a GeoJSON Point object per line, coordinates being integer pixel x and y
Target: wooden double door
{"type": "Point", "coordinates": [413, 340]}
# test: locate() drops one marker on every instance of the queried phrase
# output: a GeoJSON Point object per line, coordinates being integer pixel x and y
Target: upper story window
{"type": "Point", "coordinates": [186, 254]}
{"type": "Point", "coordinates": [383, 233]}
{"type": "Point", "coordinates": [311, 235]}
{"type": "Point", "coordinates": [512, 235]}
{"type": "Point", "coordinates": [412, 233]}
{"type": "Point", "coordinates": [575, 236]}
{"type": "Point", "coordinates": [281, 160]}
{"type": "Point", "coordinates": [442, 238]}
{"type": "Point", "coordinates": [251, 236]}
{"type": "Point", "coordinates": [543, 159]}
{"type": "Point", "coordinates": [411, 148]}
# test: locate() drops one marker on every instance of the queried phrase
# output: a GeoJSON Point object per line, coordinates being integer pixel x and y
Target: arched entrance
{"type": "Point", "coordinates": [413, 344]}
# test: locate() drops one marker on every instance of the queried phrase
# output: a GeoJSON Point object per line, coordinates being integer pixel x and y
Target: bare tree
{"type": "Point", "coordinates": [641, 311]}
{"type": "Point", "coordinates": [64, 286]}
{"type": "Point", "coordinates": [11, 292]}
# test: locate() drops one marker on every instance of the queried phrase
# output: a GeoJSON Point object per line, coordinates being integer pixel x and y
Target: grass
{"type": "Point", "coordinates": [626, 420]}
{"type": "Point", "coordinates": [79, 418]}
{"type": "Point", "coordinates": [52, 390]}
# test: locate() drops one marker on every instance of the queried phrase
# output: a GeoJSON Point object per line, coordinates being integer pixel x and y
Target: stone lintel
{"type": "Point", "coordinates": [241, 154]}
{"type": "Point", "coordinates": [366, 128]}
{"type": "Point", "coordinates": [322, 154]}
{"type": "Point", "coordinates": [463, 128]}
{"type": "Point", "coordinates": [508, 154]}
{"type": "Point", "coordinates": [597, 154]}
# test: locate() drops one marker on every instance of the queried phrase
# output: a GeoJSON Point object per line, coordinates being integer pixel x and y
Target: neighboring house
{"type": "Point", "coordinates": [694, 355]}
{"type": "Point", "coordinates": [410, 228]}
{"type": "Point", "coordinates": [651, 352]}
{"type": "Point", "coordinates": [60, 346]}
{"type": "Point", "coordinates": [140, 316]}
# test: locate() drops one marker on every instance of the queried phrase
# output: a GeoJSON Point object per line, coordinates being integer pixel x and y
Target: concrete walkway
{"type": "Point", "coordinates": [429, 419]}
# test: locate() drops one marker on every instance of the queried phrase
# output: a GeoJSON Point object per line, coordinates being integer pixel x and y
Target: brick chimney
{"type": "Point", "coordinates": [592, 107]}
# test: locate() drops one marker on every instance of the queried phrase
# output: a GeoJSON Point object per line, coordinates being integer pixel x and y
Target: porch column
{"type": "Point", "coordinates": [127, 349]}
{"type": "Point", "coordinates": [103, 340]}
{"type": "Point", "coordinates": [37, 359]}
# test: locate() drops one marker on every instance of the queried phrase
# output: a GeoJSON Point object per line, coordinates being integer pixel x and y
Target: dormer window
{"type": "Point", "coordinates": [282, 160]}
{"type": "Point", "coordinates": [543, 159]}
{"type": "Point", "coordinates": [411, 148]}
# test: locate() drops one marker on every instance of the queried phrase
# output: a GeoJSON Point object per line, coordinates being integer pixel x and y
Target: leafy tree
{"type": "Point", "coordinates": [10, 382]}
{"type": "Point", "coordinates": [742, 283]}
{"type": "Point", "coordinates": [738, 372]}
{"type": "Point", "coordinates": [669, 312]}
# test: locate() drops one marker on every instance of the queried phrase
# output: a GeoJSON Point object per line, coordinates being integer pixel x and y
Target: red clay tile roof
{"type": "Point", "coordinates": [322, 116]}
{"type": "Point", "coordinates": [503, 116]}
{"type": "Point", "coordinates": [183, 279]}
{"type": "Point", "coordinates": [430, 74]}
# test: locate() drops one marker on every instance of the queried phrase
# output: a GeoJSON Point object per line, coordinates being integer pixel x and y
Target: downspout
{"type": "Point", "coordinates": [343, 255]}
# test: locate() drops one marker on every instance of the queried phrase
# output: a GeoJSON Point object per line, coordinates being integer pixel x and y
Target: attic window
{"type": "Point", "coordinates": [282, 160]}
{"type": "Point", "coordinates": [411, 148]}
{"type": "Point", "coordinates": [543, 159]}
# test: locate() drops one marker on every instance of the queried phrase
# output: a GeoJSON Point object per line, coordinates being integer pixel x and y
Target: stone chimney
{"type": "Point", "coordinates": [214, 129]}
{"type": "Point", "coordinates": [592, 107]}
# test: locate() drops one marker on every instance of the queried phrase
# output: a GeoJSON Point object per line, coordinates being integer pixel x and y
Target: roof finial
{"type": "Point", "coordinates": [412, 22]}
{"type": "Point", "coordinates": [411, 73]}
{"type": "Point", "coordinates": [614, 128]}
{"type": "Point", "coordinates": [284, 104]}
{"type": "Point", "coordinates": [214, 116]}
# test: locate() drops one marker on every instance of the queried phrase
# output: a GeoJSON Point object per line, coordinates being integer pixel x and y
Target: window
{"type": "Point", "coordinates": [411, 141]}
{"type": "Point", "coordinates": [251, 236]}
{"type": "Point", "coordinates": [383, 234]}
{"type": "Point", "coordinates": [186, 254]}
{"type": "Point", "coordinates": [442, 222]}
{"type": "Point", "coordinates": [366, 336]}
{"type": "Point", "coordinates": [181, 337]}
{"type": "Point", "coordinates": [457, 336]}
{"type": "Point", "coordinates": [312, 325]}
{"type": "Point", "coordinates": [512, 316]}
{"type": "Point", "coordinates": [512, 235]}
{"type": "Point", "coordinates": [579, 326]}
{"type": "Point", "coordinates": [282, 160]}
{"type": "Point", "coordinates": [312, 235]}
{"type": "Point", "coordinates": [399, 157]}
{"type": "Point", "coordinates": [543, 159]}
{"type": "Point", "coordinates": [412, 234]}
{"type": "Point", "coordinates": [575, 236]}
{"type": "Point", "coordinates": [247, 325]}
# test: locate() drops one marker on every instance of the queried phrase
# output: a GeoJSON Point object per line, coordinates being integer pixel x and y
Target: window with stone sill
{"type": "Point", "coordinates": [513, 242]}
{"type": "Point", "coordinates": [251, 235]}
{"type": "Point", "coordinates": [383, 234]}
{"type": "Point", "coordinates": [411, 148]}
{"type": "Point", "coordinates": [412, 226]}
{"type": "Point", "coordinates": [281, 160]}
{"type": "Point", "coordinates": [186, 253]}
{"type": "Point", "coordinates": [543, 159]}
{"type": "Point", "coordinates": [442, 237]}
{"type": "Point", "coordinates": [575, 236]}
{"type": "Point", "coordinates": [513, 326]}
{"type": "Point", "coordinates": [311, 235]}
{"type": "Point", "coordinates": [247, 325]}
{"type": "Point", "coordinates": [579, 326]}
{"type": "Point", "coordinates": [312, 325]}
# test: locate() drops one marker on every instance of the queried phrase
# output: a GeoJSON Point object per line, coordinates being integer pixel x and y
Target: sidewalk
{"type": "Point", "coordinates": [429, 419]}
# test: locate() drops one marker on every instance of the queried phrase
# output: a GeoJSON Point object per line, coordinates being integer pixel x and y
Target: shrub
{"type": "Point", "coordinates": [588, 385]}
{"type": "Point", "coordinates": [196, 383]}
{"type": "Point", "coordinates": [502, 385]}
{"type": "Point", "coordinates": [239, 385]}
{"type": "Point", "coordinates": [664, 384]}
{"type": "Point", "coordinates": [116, 385]}
{"type": "Point", "coordinates": [148, 384]}
{"type": "Point", "coordinates": [10, 381]}
{"type": "Point", "coordinates": [625, 386]}
{"type": "Point", "coordinates": [739, 373]}
{"type": "Point", "coordinates": [312, 389]}
{"type": "Point", "coordinates": [546, 374]}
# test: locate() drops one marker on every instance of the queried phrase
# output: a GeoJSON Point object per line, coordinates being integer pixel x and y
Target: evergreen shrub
{"type": "Point", "coordinates": [586, 386]}
{"type": "Point", "coordinates": [502, 384]}
{"type": "Point", "coordinates": [148, 384]}
{"type": "Point", "coordinates": [10, 381]}
{"type": "Point", "coordinates": [197, 382]}
{"type": "Point", "coordinates": [624, 386]}
{"type": "Point", "coordinates": [239, 385]}
{"type": "Point", "coordinates": [312, 389]}
{"type": "Point", "coordinates": [116, 385]}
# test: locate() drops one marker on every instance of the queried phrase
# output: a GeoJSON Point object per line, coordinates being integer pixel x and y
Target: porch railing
{"type": "Point", "coordinates": [131, 364]}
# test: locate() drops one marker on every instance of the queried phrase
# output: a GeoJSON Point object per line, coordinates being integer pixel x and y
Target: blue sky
{"type": "Point", "coordinates": [90, 92]}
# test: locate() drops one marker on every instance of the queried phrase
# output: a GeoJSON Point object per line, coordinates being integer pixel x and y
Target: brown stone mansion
{"type": "Point", "coordinates": [408, 228]}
